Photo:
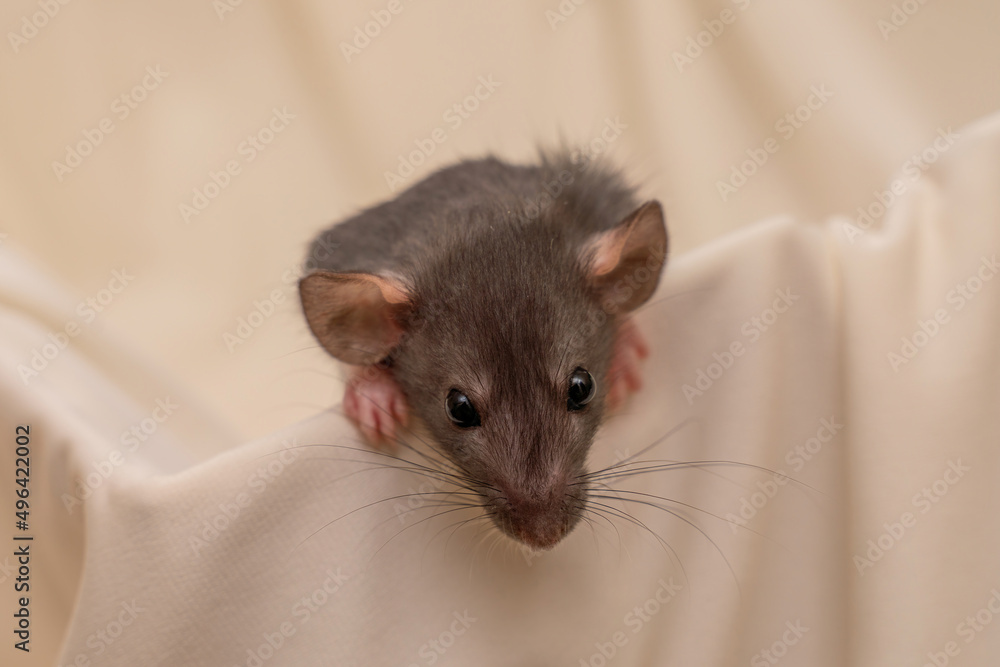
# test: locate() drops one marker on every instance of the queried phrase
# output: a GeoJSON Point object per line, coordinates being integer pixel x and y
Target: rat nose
{"type": "Point", "coordinates": [540, 525]}
{"type": "Point", "coordinates": [540, 518]}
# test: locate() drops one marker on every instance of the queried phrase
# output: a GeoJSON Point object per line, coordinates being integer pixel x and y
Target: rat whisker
{"type": "Point", "coordinates": [438, 504]}
{"type": "Point", "coordinates": [387, 466]}
{"type": "Point", "coordinates": [413, 525]}
{"type": "Point", "coordinates": [599, 535]}
{"type": "Point", "coordinates": [399, 440]}
{"type": "Point", "coordinates": [448, 500]}
{"type": "Point", "coordinates": [459, 526]}
{"type": "Point", "coordinates": [455, 474]}
{"type": "Point", "coordinates": [497, 542]}
{"type": "Point", "coordinates": [472, 559]}
{"type": "Point", "coordinates": [311, 370]}
{"type": "Point", "coordinates": [697, 464]}
{"type": "Point", "coordinates": [690, 523]}
{"type": "Point", "coordinates": [650, 304]}
{"type": "Point", "coordinates": [593, 531]}
{"type": "Point", "coordinates": [371, 504]}
{"type": "Point", "coordinates": [706, 471]}
{"type": "Point", "coordinates": [455, 526]}
{"type": "Point", "coordinates": [603, 508]}
{"type": "Point", "coordinates": [621, 545]}
{"type": "Point", "coordinates": [430, 475]}
{"type": "Point", "coordinates": [645, 449]}
{"type": "Point", "coordinates": [362, 450]}
{"type": "Point", "coordinates": [301, 349]}
{"type": "Point", "coordinates": [357, 472]}
{"type": "Point", "coordinates": [410, 467]}
{"type": "Point", "coordinates": [689, 506]}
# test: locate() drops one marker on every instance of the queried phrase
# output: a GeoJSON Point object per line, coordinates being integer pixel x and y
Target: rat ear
{"type": "Point", "coordinates": [356, 316]}
{"type": "Point", "coordinates": [624, 263]}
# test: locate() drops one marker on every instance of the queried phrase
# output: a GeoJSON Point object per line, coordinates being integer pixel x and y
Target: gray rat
{"type": "Point", "coordinates": [490, 301]}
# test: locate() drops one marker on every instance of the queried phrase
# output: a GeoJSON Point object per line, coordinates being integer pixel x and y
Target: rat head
{"type": "Point", "coordinates": [503, 347]}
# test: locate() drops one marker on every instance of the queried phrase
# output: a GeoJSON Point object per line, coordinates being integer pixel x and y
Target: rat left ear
{"type": "Point", "coordinates": [356, 316]}
{"type": "Point", "coordinates": [623, 264]}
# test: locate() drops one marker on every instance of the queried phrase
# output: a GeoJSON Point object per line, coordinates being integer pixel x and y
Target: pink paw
{"type": "Point", "coordinates": [374, 402]}
{"type": "Point", "coordinates": [624, 376]}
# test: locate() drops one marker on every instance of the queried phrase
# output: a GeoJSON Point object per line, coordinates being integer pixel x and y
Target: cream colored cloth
{"type": "Point", "coordinates": [859, 360]}
{"type": "Point", "coordinates": [864, 374]}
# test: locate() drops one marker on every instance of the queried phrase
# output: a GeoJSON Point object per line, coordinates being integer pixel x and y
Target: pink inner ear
{"type": "Point", "coordinates": [354, 315]}
{"type": "Point", "coordinates": [608, 251]}
{"type": "Point", "coordinates": [392, 289]}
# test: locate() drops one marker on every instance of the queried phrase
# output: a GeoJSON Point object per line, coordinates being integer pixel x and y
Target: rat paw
{"type": "Point", "coordinates": [624, 376]}
{"type": "Point", "coordinates": [375, 403]}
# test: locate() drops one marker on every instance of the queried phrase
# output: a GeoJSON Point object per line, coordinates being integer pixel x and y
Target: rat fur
{"type": "Point", "coordinates": [497, 281]}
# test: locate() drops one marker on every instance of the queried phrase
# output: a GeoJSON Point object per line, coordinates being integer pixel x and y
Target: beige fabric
{"type": "Point", "coordinates": [172, 293]}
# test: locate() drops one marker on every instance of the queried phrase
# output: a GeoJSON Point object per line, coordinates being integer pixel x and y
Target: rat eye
{"type": "Point", "coordinates": [581, 389]}
{"type": "Point", "coordinates": [460, 409]}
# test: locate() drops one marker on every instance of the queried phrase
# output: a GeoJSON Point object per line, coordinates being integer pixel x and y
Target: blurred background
{"type": "Point", "coordinates": [169, 161]}
{"type": "Point", "coordinates": [164, 165]}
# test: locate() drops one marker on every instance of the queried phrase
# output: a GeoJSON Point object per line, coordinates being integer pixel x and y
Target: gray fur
{"type": "Point", "coordinates": [503, 311]}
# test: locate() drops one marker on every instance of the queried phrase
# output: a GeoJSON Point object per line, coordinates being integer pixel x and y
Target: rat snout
{"type": "Point", "coordinates": [539, 517]}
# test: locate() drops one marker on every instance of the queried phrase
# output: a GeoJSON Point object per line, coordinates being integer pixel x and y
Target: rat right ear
{"type": "Point", "coordinates": [356, 316]}
{"type": "Point", "coordinates": [624, 263]}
